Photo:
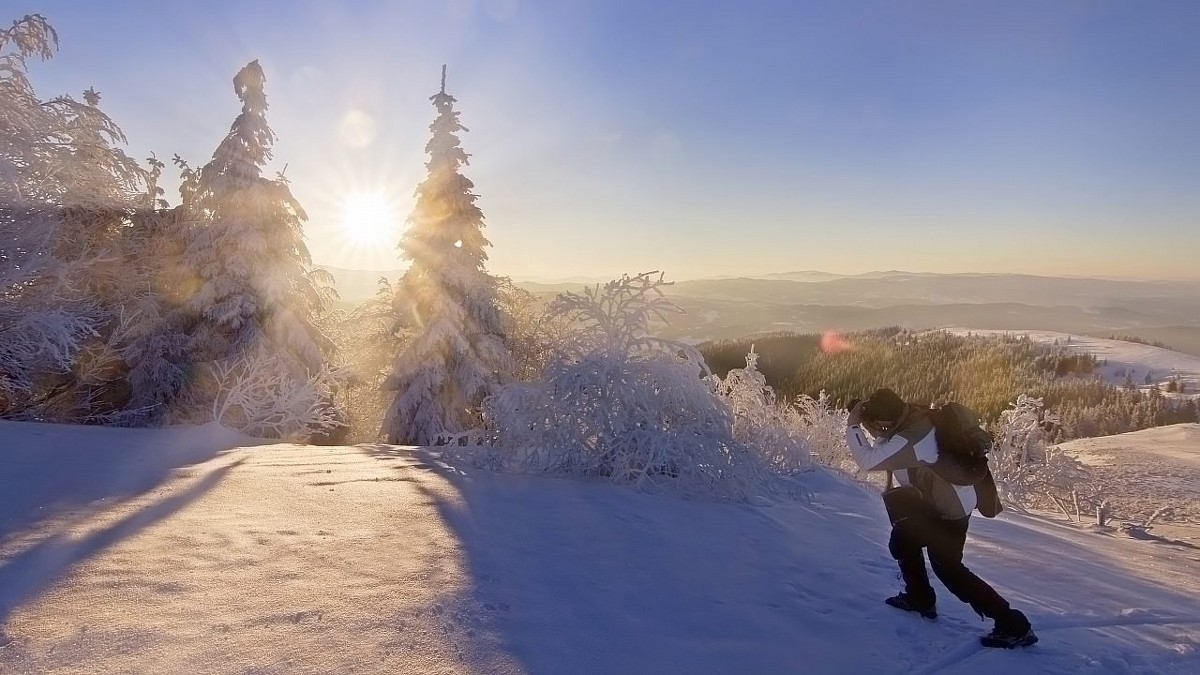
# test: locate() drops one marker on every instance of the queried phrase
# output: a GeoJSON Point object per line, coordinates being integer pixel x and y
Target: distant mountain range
{"type": "Point", "coordinates": [813, 301]}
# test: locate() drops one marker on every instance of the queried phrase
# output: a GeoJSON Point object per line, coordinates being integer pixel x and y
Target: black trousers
{"type": "Point", "coordinates": [945, 540]}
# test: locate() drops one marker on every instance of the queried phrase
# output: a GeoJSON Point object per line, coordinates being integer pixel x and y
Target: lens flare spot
{"type": "Point", "coordinates": [356, 129]}
{"type": "Point", "coordinates": [832, 342]}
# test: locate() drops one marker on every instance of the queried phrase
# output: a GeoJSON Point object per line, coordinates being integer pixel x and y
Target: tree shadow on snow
{"type": "Point", "coordinates": [25, 575]}
{"type": "Point", "coordinates": [1143, 534]}
{"type": "Point", "coordinates": [571, 576]}
{"type": "Point", "coordinates": [50, 470]}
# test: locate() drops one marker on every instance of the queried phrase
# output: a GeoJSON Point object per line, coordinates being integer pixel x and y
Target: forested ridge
{"type": "Point", "coordinates": [985, 373]}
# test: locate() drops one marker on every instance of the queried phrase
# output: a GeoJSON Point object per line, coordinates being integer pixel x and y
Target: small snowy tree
{"type": "Point", "coordinates": [151, 337]}
{"type": "Point", "coordinates": [458, 354]}
{"type": "Point", "coordinates": [618, 404]}
{"type": "Point", "coordinates": [760, 422]}
{"type": "Point", "coordinates": [368, 338]}
{"type": "Point", "coordinates": [533, 329]}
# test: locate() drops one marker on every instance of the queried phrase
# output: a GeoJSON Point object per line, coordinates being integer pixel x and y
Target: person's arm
{"type": "Point", "coordinates": [891, 454]}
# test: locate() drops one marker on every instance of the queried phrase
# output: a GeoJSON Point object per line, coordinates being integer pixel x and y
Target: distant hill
{"type": "Point", "coordinates": [814, 275]}
{"type": "Point", "coordinates": [354, 286]}
{"type": "Point", "coordinates": [805, 275]}
{"type": "Point", "coordinates": [1168, 311]}
{"type": "Point", "coordinates": [708, 319]}
{"type": "Point", "coordinates": [1184, 339]}
{"type": "Point", "coordinates": [812, 301]}
{"type": "Point", "coordinates": [908, 288]}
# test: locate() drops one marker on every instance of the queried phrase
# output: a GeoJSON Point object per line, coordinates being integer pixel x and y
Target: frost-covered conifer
{"type": "Point", "coordinates": [458, 353]}
{"type": "Point", "coordinates": [254, 276]}
{"type": "Point", "coordinates": [248, 251]}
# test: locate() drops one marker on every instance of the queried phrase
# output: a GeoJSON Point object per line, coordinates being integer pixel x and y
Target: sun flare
{"type": "Point", "coordinates": [369, 218]}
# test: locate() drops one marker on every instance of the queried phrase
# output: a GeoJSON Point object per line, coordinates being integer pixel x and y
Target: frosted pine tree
{"type": "Point", "coordinates": [459, 352]}
{"type": "Point", "coordinates": [256, 290]}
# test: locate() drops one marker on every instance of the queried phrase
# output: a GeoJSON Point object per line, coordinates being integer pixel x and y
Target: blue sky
{"type": "Point", "coordinates": [699, 138]}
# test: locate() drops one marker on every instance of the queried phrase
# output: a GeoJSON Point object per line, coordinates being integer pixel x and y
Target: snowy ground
{"type": "Point", "coordinates": [1122, 357]}
{"type": "Point", "coordinates": [134, 551]}
{"type": "Point", "coordinates": [1145, 470]}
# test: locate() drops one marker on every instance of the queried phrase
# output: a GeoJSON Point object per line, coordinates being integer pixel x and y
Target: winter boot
{"type": "Point", "coordinates": [905, 602]}
{"type": "Point", "coordinates": [1010, 632]}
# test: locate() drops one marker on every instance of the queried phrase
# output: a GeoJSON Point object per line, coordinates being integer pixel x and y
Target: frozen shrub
{"type": "Point", "coordinates": [263, 394]}
{"type": "Point", "coordinates": [617, 404]}
{"type": "Point", "coordinates": [773, 431]}
{"type": "Point", "coordinates": [1029, 472]}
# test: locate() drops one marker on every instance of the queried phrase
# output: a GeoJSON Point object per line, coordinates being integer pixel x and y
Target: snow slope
{"type": "Point", "coordinates": [135, 551]}
{"type": "Point", "coordinates": [1122, 357]}
{"type": "Point", "coordinates": [1146, 470]}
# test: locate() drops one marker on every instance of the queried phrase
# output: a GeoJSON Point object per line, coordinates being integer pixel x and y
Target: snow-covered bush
{"type": "Point", "coordinates": [263, 394]}
{"type": "Point", "coordinates": [35, 343]}
{"type": "Point", "coordinates": [617, 404]}
{"type": "Point", "coordinates": [1030, 473]}
{"type": "Point", "coordinates": [822, 426]}
{"type": "Point", "coordinates": [771, 430]}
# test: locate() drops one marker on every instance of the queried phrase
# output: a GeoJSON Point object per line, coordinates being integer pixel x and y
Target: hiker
{"type": "Point", "coordinates": [935, 515]}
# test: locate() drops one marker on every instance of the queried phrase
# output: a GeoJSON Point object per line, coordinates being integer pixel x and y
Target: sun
{"type": "Point", "coordinates": [369, 218]}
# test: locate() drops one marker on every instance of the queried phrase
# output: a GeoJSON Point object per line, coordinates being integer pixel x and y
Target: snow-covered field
{"type": "Point", "coordinates": [187, 550]}
{"type": "Point", "coordinates": [1144, 471]}
{"type": "Point", "coordinates": [1122, 357]}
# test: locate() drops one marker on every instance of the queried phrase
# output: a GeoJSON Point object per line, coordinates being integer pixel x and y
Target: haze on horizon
{"type": "Point", "coordinates": [703, 138]}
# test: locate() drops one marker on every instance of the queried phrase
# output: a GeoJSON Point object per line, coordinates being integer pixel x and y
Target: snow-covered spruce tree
{"type": "Point", "coordinates": [256, 290]}
{"type": "Point", "coordinates": [65, 195]}
{"type": "Point", "coordinates": [618, 404]}
{"type": "Point", "coordinates": [458, 353]}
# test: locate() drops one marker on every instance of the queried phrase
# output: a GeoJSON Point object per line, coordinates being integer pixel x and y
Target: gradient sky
{"type": "Point", "coordinates": [699, 138]}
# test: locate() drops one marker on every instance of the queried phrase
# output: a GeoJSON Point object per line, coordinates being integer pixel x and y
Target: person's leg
{"type": "Point", "coordinates": [905, 546]}
{"type": "Point", "coordinates": [945, 557]}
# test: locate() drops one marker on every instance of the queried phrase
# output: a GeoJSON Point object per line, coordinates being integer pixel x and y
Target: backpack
{"type": "Point", "coordinates": [963, 445]}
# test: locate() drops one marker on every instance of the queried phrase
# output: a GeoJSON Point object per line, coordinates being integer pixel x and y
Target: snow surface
{"type": "Point", "coordinates": [1143, 471]}
{"type": "Point", "coordinates": [186, 550]}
